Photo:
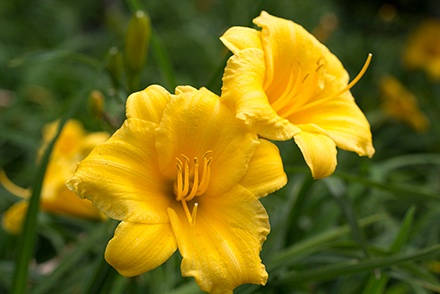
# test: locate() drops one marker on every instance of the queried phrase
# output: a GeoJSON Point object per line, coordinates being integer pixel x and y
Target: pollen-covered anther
{"type": "Point", "coordinates": [187, 184]}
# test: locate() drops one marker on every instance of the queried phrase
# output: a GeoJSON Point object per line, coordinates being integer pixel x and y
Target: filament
{"type": "Point", "coordinates": [184, 182]}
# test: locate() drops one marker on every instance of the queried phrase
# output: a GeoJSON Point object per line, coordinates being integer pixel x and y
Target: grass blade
{"type": "Point", "coordinates": [290, 254]}
{"type": "Point", "coordinates": [338, 190]}
{"type": "Point", "coordinates": [404, 231]}
{"type": "Point", "coordinates": [375, 285]}
{"type": "Point", "coordinates": [335, 270]}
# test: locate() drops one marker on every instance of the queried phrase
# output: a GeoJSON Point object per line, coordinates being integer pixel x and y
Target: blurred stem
{"type": "Point", "coordinates": [134, 5]}
{"type": "Point", "coordinates": [163, 59]}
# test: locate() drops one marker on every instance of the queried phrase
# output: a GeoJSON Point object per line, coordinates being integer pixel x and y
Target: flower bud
{"type": "Point", "coordinates": [96, 103]}
{"type": "Point", "coordinates": [114, 66]}
{"type": "Point", "coordinates": [136, 46]}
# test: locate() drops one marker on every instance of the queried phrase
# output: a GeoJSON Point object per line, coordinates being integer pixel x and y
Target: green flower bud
{"type": "Point", "coordinates": [136, 46]}
{"type": "Point", "coordinates": [114, 66]}
{"type": "Point", "coordinates": [96, 103]}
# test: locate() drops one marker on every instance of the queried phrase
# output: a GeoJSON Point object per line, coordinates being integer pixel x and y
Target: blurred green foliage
{"type": "Point", "coordinates": [372, 227]}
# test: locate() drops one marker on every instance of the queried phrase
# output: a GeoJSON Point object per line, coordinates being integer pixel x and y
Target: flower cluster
{"type": "Point", "coordinates": [186, 170]}
{"type": "Point", "coordinates": [72, 145]}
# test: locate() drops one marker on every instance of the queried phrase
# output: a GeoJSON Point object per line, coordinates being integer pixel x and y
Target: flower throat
{"type": "Point", "coordinates": [188, 185]}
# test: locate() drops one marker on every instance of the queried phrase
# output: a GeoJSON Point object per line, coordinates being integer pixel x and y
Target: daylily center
{"type": "Point", "coordinates": [298, 94]}
{"type": "Point", "coordinates": [191, 183]}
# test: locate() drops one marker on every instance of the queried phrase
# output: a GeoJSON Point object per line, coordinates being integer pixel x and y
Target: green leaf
{"type": "Point", "coordinates": [404, 231]}
{"type": "Point", "coordinates": [375, 285]}
{"type": "Point", "coordinates": [416, 281]}
{"type": "Point", "coordinates": [290, 254]}
{"type": "Point", "coordinates": [335, 270]}
{"type": "Point", "coordinates": [339, 192]}
{"type": "Point", "coordinates": [412, 193]}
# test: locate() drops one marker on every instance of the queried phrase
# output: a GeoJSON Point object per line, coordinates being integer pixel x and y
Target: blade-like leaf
{"type": "Point", "coordinates": [334, 270]}
{"type": "Point", "coordinates": [404, 231]}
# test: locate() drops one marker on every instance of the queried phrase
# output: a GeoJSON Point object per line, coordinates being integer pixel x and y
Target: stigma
{"type": "Point", "coordinates": [190, 182]}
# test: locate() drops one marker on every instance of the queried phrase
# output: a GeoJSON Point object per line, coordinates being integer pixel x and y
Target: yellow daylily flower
{"type": "Point", "coordinates": [423, 49]}
{"type": "Point", "coordinates": [283, 84]}
{"type": "Point", "coordinates": [72, 146]}
{"type": "Point", "coordinates": [183, 173]}
{"type": "Point", "coordinates": [402, 105]}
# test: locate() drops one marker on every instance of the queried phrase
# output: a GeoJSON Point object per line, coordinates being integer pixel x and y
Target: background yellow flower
{"type": "Point", "coordinates": [72, 145]}
{"type": "Point", "coordinates": [423, 49]}
{"type": "Point", "coordinates": [402, 105]}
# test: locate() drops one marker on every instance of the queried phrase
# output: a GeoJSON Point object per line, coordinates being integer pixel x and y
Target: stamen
{"type": "Point", "coordinates": [285, 97]}
{"type": "Point", "coordinates": [195, 182]}
{"type": "Point", "coordinates": [13, 188]}
{"type": "Point", "coordinates": [204, 183]}
{"type": "Point", "coordinates": [337, 94]}
{"type": "Point", "coordinates": [179, 180]}
{"type": "Point", "coordinates": [186, 175]}
{"type": "Point", "coordinates": [183, 183]}
{"type": "Point", "coordinates": [304, 97]}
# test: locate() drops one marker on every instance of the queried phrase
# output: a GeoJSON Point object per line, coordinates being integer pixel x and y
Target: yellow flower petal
{"type": "Point", "coordinates": [195, 122]}
{"type": "Point", "coordinates": [121, 177]}
{"type": "Point", "coordinates": [67, 203]}
{"type": "Point", "coordinates": [222, 250]}
{"type": "Point", "coordinates": [240, 38]}
{"type": "Point", "coordinates": [346, 126]}
{"type": "Point", "coordinates": [265, 171]}
{"type": "Point", "coordinates": [148, 104]}
{"type": "Point", "coordinates": [278, 38]}
{"type": "Point", "coordinates": [13, 218]}
{"type": "Point", "coordinates": [318, 149]}
{"type": "Point", "coordinates": [91, 141]}
{"type": "Point", "coordinates": [243, 91]}
{"type": "Point", "coordinates": [138, 248]}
